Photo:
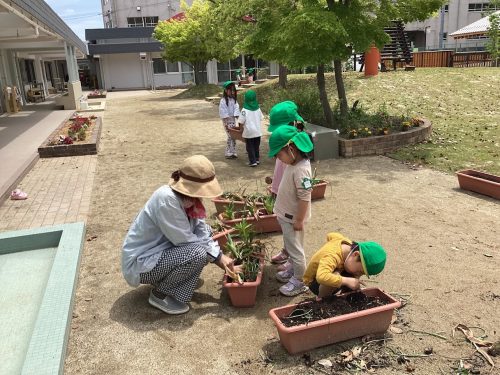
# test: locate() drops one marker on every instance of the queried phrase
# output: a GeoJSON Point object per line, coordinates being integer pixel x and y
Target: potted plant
{"type": "Point", "coordinates": [479, 182]}
{"type": "Point", "coordinates": [262, 220]}
{"type": "Point", "coordinates": [267, 220]}
{"type": "Point", "coordinates": [238, 199]}
{"type": "Point", "coordinates": [242, 288]}
{"type": "Point", "coordinates": [319, 187]}
{"type": "Point", "coordinates": [311, 324]}
{"type": "Point", "coordinates": [220, 233]}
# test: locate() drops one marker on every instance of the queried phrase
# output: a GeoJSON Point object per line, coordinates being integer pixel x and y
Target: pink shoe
{"type": "Point", "coordinates": [281, 257]}
{"type": "Point", "coordinates": [18, 195]}
{"type": "Point", "coordinates": [285, 266]}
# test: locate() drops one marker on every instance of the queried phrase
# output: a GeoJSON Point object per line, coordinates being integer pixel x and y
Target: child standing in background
{"type": "Point", "coordinates": [229, 110]}
{"type": "Point", "coordinates": [251, 118]}
{"type": "Point", "coordinates": [293, 202]}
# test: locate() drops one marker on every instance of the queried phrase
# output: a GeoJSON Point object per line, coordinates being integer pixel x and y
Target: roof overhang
{"type": "Point", "coordinates": [32, 28]}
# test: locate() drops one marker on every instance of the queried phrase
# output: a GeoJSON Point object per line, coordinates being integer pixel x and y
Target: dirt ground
{"type": "Point", "coordinates": [442, 243]}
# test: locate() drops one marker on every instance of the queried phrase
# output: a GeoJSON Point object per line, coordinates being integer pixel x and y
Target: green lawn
{"type": "Point", "coordinates": [463, 105]}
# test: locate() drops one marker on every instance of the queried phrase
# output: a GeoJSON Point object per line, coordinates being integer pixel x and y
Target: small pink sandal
{"type": "Point", "coordinates": [18, 195]}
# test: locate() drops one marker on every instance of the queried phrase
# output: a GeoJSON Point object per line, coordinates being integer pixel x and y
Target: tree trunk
{"type": "Point", "coordinates": [339, 80]}
{"type": "Point", "coordinates": [199, 77]}
{"type": "Point", "coordinates": [323, 96]}
{"type": "Point", "coordinates": [283, 71]}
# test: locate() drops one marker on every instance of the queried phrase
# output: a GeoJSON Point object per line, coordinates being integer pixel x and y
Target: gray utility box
{"type": "Point", "coordinates": [326, 142]}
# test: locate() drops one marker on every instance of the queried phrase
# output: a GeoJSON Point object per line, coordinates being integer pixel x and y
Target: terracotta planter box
{"type": "Point", "coordinates": [88, 147]}
{"type": "Point", "coordinates": [479, 182]}
{"type": "Point", "coordinates": [221, 237]}
{"type": "Point", "coordinates": [236, 134]}
{"type": "Point", "coordinates": [319, 333]}
{"type": "Point", "coordinates": [220, 204]}
{"type": "Point", "coordinates": [318, 191]}
{"type": "Point", "coordinates": [99, 96]}
{"type": "Point", "coordinates": [243, 295]}
{"type": "Point", "coordinates": [265, 224]}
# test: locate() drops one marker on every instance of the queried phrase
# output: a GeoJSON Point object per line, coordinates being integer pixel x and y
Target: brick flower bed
{"type": "Point", "coordinates": [88, 147]}
{"type": "Point", "coordinates": [382, 144]}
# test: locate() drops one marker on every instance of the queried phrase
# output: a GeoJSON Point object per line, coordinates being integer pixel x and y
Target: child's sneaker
{"type": "Point", "coordinates": [252, 164]}
{"type": "Point", "coordinates": [284, 276]}
{"type": "Point", "coordinates": [285, 266]}
{"type": "Point", "coordinates": [281, 257]}
{"type": "Point", "coordinates": [293, 287]}
{"type": "Point", "coordinates": [168, 305]}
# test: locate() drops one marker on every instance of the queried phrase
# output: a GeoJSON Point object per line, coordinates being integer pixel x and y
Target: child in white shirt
{"type": "Point", "coordinates": [250, 119]}
{"type": "Point", "coordinates": [229, 110]}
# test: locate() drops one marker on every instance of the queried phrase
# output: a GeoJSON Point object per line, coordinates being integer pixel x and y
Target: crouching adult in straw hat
{"type": "Point", "coordinates": [169, 243]}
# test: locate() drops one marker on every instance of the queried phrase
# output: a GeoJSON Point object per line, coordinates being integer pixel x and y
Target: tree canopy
{"type": "Point", "coordinates": [195, 39]}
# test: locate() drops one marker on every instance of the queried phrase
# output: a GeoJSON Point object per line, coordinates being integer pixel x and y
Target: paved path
{"type": "Point", "coordinates": [20, 135]}
{"type": "Point", "coordinates": [59, 191]}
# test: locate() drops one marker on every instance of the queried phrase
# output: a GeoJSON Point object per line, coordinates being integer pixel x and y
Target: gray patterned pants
{"type": "Point", "coordinates": [177, 272]}
{"type": "Point", "coordinates": [230, 143]}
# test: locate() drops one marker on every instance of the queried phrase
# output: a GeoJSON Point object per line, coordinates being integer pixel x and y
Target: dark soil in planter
{"type": "Point", "coordinates": [330, 307]}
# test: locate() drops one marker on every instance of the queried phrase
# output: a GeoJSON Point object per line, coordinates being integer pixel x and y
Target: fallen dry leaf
{"type": "Point", "coordinates": [325, 363]}
{"type": "Point", "coordinates": [470, 336]}
{"type": "Point", "coordinates": [395, 330]}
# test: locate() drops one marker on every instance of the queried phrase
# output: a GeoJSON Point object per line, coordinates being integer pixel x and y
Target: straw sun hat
{"type": "Point", "coordinates": [196, 178]}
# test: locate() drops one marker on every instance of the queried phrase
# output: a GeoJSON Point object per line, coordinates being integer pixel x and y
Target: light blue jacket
{"type": "Point", "coordinates": [161, 225]}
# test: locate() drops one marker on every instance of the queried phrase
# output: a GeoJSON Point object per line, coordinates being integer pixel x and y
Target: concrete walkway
{"type": "Point", "coordinates": [59, 189]}
{"type": "Point", "coordinates": [20, 135]}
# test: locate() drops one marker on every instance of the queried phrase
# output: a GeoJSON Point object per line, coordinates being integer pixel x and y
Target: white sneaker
{"type": "Point", "coordinates": [293, 287]}
{"type": "Point", "coordinates": [284, 276]}
{"type": "Point", "coordinates": [168, 305]}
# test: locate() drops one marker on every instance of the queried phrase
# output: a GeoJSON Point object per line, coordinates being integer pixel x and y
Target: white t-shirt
{"type": "Point", "coordinates": [251, 121]}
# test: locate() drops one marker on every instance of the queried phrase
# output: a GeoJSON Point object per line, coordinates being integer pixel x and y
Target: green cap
{"type": "Point", "coordinates": [250, 101]}
{"type": "Point", "coordinates": [283, 114]}
{"type": "Point", "coordinates": [285, 135]}
{"type": "Point", "coordinates": [227, 84]}
{"type": "Point", "coordinates": [373, 257]}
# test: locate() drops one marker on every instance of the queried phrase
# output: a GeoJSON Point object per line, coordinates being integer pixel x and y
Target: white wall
{"type": "Point", "coordinates": [124, 71]}
{"type": "Point", "coordinates": [458, 16]}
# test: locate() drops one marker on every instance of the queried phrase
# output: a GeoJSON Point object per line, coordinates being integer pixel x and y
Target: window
{"type": "Point", "coordinates": [172, 67]}
{"type": "Point", "coordinates": [134, 22]}
{"type": "Point", "coordinates": [150, 21]}
{"type": "Point", "coordinates": [446, 8]}
{"type": "Point", "coordinates": [482, 7]}
{"type": "Point", "coordinates": [142, 21]}
{"type": "Point", "coordinates": [159, 66]}
{"type": "Point", "coordinates": [445, 36]}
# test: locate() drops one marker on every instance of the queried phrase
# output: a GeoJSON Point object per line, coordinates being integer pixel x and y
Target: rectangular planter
{"type": "Point", "coordinates": [479, 182]}
{"type": "Point", "coordinates": [313, 335]}
{"type": "Point", "coordinates": [243, 295]}
{"type": "Point", "coordinates": [318, 191]}
{"type": "Point", "coordinates": [221, 237]}
{"type": "Point", "coordinates": [220, 204]}
{"type": "Point", "coordinates": [265, 224]}
{"type": "Point", "coordinates": [90, 147]}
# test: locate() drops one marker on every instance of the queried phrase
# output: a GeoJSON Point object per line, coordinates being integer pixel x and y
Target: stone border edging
{"type": "Point", "coordinates": [382, 144]}
{"type": "Point", "coordinates": [89, 148]}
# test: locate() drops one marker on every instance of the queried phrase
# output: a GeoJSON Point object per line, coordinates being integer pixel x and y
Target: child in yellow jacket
{"type": "Point", "coordinates": [340, 263]}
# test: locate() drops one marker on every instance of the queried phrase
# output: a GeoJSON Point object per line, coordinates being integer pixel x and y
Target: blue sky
{"type": "Point", "coordinates": [79, 14]}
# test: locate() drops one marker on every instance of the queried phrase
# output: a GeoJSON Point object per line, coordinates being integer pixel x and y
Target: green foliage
{"type": "Point", "coordinates": [195, 39]}
{"type": "Point", "coordinates": [229, 211]}
{"type": "Point", "coordinates": [269, 204]}
{"type": "Point", "coordinates": [493, 44]}
{"type": "Point", "coordinates": [245, 232]}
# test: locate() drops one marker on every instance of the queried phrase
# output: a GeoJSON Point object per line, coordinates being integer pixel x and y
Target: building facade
{"type": "Point", "coordinates": [127, 57]}
{"type": "Point", "coordinates": [433, 33]}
